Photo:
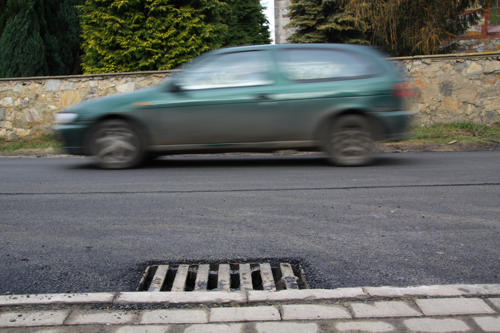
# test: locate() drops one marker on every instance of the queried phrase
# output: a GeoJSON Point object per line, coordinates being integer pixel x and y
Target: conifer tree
{"type": "Point", "coordinates": [135, 35]}
{"type": "Point", "coordinates": [132, 35]}
{"type": "Point", "coordinates": [324, 21]}
{"type": "Point", "coordinates": [247, 23]}
{"type": "Point", "coordinates": [3, 7]}
{"type": "Point", "coordinates": [39, 37]}
{"type": "Point", "coordinates": [21, 44]}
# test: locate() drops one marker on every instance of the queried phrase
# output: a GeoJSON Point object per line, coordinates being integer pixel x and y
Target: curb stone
{"type": "Point", "coordinates": [437, 308]}
{"type": "Point", "coordinates": [217, 297]}
{"type": "Point", "coordinates": [39, 299]}
{"type": "Point", "coordinates": [192, 297]}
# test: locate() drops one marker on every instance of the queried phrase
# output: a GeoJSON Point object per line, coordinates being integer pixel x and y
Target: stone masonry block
{"type": "Point", "coordinates": [33, 318]}
{"type": "Point", "coordinates": [453, 306]}
{"type": "Point", "coordinates": [364, 326]}
{"type": "Point", "coordinates": [101, 317]}
{"type": "Point", "coordinates": [305, 294]}
{"type": "Point", "coordinates": [286, 327]}
{"type": "Point", "coordinates": [143, 329]}
{"type": "Point", "coordinates": [56, 299]}
{"type": "Point", "coordinates": [496, 302]}
{"type": "Point", "coordinates": [384, 309]}
{"type": "Point", "coordinates": [314, 312]}
{"type": "Point", "coordinates": [436, 325]}
{"type": "Point", "coordinates": [215, 328]}
{"type": "Point", "coordinates": [174, 317]}
{"type": "Point", "coordinates": [478, 289]}
{"type": "Point", "coordinates": [435, 290]}
{"type": "Point", "coordinates": [446, 290]}
{"type": "Point", "coordinates": [257, 313]}
{"type": "Point", "coordinates": [61, 329]}
{"type": "Point", "coordinates": [215, 297]}
{"type": "Point", "coordinates": [488, 324]}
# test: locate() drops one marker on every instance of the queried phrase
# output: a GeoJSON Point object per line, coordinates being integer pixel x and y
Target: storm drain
{"type": "Point", "coordinates": [223, 277]}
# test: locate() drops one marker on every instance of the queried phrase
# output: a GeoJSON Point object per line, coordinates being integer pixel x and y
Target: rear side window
{"type": "Point", "coordinates": [310, 65]}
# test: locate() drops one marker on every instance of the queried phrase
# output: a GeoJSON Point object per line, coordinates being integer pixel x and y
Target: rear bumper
{"type": "Point", "coordinates": [72, 137]}
{"type": "Point", "coordinates": [393, 125]}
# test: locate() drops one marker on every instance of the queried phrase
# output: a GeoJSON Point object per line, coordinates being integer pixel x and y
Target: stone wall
{"type": "Point", "coordinates": [452, 88]}
{"type": "Point", "coordinates": [28, 105]}
{"type": "Point", "coordinates": [456, 88]}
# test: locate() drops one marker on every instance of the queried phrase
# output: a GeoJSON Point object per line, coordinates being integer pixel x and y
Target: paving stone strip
{"type": "Point", "coordinates": [495, 302]}
{"type": "Point", "coordinates": [436, 325]}
{"type": "Point", "coordinates": [174, 317]}
{"type": "Point", "coordinates": [384, 309]}
{"type": "Point", "coordinates": [453, 306]}
{"type": "Point", "coordinates": [448, 308]}
{"type": "Point", "coordinates": [312, 311]}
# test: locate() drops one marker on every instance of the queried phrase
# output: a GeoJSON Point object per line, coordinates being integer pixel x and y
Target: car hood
{"type": "Point", "coordinates": [115, 103]}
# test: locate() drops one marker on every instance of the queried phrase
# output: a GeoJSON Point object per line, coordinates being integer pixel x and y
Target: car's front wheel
{"type": "Point", "coordinates": [115, 144]}
{"type": "Point", "coordinates": [350, 141]}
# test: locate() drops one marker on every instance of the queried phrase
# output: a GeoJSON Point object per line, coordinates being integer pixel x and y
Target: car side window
{"type": "Point", "coordinates": [238, 69]}
{"type": "Point", "coordinates": [315, 64]}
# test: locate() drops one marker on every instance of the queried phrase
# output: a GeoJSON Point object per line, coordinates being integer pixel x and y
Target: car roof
{"type": "Point", "coordinates": [353, 47]}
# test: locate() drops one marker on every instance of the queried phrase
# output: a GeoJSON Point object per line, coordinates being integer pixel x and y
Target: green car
{"type": "Point", "coordinates": [334, 97]}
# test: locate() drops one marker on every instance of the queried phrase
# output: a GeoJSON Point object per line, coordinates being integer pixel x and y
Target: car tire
{"type": "Point", "coordinates": [116, 144]}
{"type": "Point", "coordinates": [350, 141]}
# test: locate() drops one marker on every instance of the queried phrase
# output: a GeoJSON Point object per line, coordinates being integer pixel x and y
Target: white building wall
{"type": "Point", "coordinates": [281, 20]}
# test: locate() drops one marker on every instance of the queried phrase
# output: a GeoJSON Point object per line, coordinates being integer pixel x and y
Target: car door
{"type": "Point", "coordinates": [221, 99]}
{"type": "Point", "coordinates": [316, 81]}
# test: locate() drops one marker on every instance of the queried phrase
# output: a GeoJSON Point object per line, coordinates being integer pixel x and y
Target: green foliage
{"type": "Point", "coordinates": [130, 35]}
{"type": "Point", "coordinates": [324, 21]}
{"type": "Point", "coordinates": [39, 37]}
{"type": "Point", "coordinates": [495, 16]}
{"type": "Point", "coordinates": [247, 23]}
{"type": "Point", "coordinates": [21, 43]}
{"type": "Point", "coordinates": [134, 35]}
{"type": "Point", "coordinates": [3, 14]}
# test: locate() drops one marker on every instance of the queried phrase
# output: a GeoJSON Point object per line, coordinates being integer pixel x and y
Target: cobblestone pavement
{"type": "Point", "coordinates": [442, 308]}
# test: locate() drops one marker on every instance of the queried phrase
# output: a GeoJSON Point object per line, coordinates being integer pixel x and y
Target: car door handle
{"type": "Point", "coordinates": [263, 96]}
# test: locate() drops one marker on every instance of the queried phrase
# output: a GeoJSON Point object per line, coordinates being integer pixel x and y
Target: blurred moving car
{"type": "Point", "coordinates": [338, 98]}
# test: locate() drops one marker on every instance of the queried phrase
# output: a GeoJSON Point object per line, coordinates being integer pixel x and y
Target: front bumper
{"type": "Point", "coordinates": [72, 137]}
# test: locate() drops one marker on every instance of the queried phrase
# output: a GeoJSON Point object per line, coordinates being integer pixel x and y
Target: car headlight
{"type": "Point", "coordinates": [65, 117]}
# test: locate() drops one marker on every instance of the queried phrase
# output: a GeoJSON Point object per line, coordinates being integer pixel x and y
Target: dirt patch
{"type": "Point", "coordinates": [45, 152]}
{"type": "Point", "coordinates": [401, 147]}
{"type": "Point", "coordinates": [398, 147]}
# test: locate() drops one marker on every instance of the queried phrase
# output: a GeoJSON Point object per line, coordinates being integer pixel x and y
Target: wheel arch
{"type": "Point", "coordinates": [321, 131]}
{"type": "Point", "coordinates": [136, 124]}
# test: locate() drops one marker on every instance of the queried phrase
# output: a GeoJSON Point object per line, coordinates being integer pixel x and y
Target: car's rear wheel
{"type": "Point", "coordinates": [115, 144]}
{"type": "Point", "coordinates": [350, 141]}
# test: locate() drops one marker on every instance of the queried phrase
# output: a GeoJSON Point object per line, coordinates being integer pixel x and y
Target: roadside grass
{"type": "Point", "coordinates": [44, 143]}
{"type": "Point", "coordinates": [451, 133]}
{"type": "Point", "coordinates": [438, 134]}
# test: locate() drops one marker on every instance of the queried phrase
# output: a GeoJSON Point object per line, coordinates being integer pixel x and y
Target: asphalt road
{"type": "Point", "coordinates": [412, 218]}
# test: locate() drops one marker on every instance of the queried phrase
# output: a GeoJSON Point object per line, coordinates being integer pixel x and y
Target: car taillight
{"type": "Point", "coordinates": [404, 90]}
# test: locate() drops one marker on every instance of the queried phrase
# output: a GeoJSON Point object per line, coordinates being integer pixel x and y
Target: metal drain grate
{"type": "Point", "coordinates": [223, 277]}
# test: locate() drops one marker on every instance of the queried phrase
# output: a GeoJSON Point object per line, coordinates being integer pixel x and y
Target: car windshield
{"type": "Point", "coordinates": [237, 69]}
